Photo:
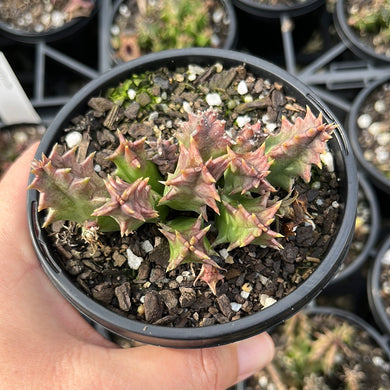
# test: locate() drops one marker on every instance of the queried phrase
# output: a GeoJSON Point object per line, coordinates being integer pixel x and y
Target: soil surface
{"type": "Point", "coordinates": [255, 277]}
{"type": "Point", "coordinates": [344, 356]}
{"type": "Point", "coordinates": [374, 123]}
{"type": "Point", "coordinates": [42, 15]}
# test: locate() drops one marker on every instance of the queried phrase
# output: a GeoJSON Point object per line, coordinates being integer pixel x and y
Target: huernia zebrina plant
{"type": "Point", "coordinates": [198, 179]}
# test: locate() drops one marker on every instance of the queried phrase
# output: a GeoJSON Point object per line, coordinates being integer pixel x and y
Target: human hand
{"type": "Point", "coordinates": [46, 344]}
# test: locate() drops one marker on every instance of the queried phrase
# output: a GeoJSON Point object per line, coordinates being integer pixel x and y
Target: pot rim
{"type": "Point", "coordinates": [219, 333]}
{"type": "Point", "coordinates": [268, 11]}
{"type": "Point", "coordinates": [378, 178]}
{"type": "Point", "coordinates": [373, 289]}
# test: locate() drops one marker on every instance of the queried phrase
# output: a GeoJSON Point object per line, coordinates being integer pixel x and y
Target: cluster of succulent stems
{"type": "Point", "coordinates": [218, 191]}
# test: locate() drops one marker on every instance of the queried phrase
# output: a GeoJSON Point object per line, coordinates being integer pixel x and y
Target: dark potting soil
{"type": "Point", "coordinates": [255, 277]}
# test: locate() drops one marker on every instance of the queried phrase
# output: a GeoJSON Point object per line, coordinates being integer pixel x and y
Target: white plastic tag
{"type": "Point", "coordinates": [15, 107]}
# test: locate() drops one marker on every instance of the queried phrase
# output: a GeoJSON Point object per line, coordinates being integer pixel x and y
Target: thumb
{"type": "Point", "coordinates": [150, 367]}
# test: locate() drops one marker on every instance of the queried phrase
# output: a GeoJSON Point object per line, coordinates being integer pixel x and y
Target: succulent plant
{"type": "Point", "coordinates": [203, 188]}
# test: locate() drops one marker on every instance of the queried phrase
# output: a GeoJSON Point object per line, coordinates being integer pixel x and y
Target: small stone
{"type": "Point", "coordinates": [73, 138]}
{"type": "Point", "coordinates": [131, 93]}
{"type": "Point", "coordinates": [146, 246]}
{"type": "Point", "coordinates": [213, 99]}
{"type": "Point", "coordinates": [242, 88]}
{"type": "Point", "coordinates": [266, 300]}
{"type": "Point", "coordinates": [386, 258]}
{"type": "Point", "coordinates": [243, 120]}
{"type": "Point", "coordinates": [364, 121]}
{"type": "Point", "coordinates": [187, 296]}
{"type": "Point", "coordinates": [133, 260]}
{"type": "Point", "coordinates": [225, 305]}
{"type": "Point", "coordinates": [236, 306]}
{"type": "Point", "coordinates": [153, 306]}
{"type": "Point", "coordinates": [119, 259]}
{"type": "Point", "coordinates": [122, 293]}
{"type": "Point", "coordinates": [380, 106]}
{"type": "Point", "coordinates": [103, 292]}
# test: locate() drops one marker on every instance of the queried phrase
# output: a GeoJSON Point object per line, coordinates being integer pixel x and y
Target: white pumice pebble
{"type": "Point", "coordinates": [73, 138]}
{"type": "Point", "coordinates": [133, 260]}
{"type": "Point", "coordinates": [242, 88]}
{"type": "Point", "coordinates": [213, 99]}
{"type": "Point", "coordinates": [364, 121]}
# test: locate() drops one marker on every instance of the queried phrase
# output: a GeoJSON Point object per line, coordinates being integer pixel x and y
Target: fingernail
{"type": "Point", "coordinates": [253, 354]}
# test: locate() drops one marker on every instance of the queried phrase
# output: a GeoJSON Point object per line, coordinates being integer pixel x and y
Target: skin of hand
{"type": "Point", "coordinates": [46, 344]}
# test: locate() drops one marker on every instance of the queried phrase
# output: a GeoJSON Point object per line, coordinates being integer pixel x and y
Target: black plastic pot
{"type": "Point", "coordinates": [382, 319]}
{"type": "Point", "coordinates": [259, 19]}
{"type": "Point", "coordinates": [369, 246]}
{"type": "Point", "coordinates": [229, 43]}
{"type": "Point", "coordinates": [372, 173]}
{"type": "Point", "coordinates": [221, 333]}
{"type": "Point", "coordinates": [51, 35]}
{"type": "Point", "coordinates": [351, 38]}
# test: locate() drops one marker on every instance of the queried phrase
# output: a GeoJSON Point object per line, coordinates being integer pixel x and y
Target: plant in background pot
{"type": "Point", "coordinates": [37, 20]}
{"type": "Point", "coordinates": [139, 26]}
{"type": "Point", "coordinates": [326, 348]}
{"type": "Point", "coordinates": [368, 127]}
{"type": "Point", "coordinates": [364, 26]}
{"type": "Point", "coordinates": [378, 287]}
{"type": "Point", "coordinates": [172, 148]}
{"type": "Point", "coordinates": [14, 139]}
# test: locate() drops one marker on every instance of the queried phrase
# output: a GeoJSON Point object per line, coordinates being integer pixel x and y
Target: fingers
{"type": "Point", "coordinates": [150, 367]}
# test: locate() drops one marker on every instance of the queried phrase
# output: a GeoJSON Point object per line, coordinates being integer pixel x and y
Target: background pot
{"type": "Point", "coordinates": [221, 333]}
{"type": "Point", "coordinates": [351, 38]}
{"type": "Point", "coordinates": [381, 317]}
{"type": "Point", "coordinates": [229, 42]}
{"type": "Point", "coordinates": [53, 34]}
{"type": "Point", "coordinates": [372, 172]}
{"type": "Point", "coordinates": [345, 317]}
{"type": "Point", "coordinates": [368, 248]}
{"type": "Point", "coordinates": [259, 19]}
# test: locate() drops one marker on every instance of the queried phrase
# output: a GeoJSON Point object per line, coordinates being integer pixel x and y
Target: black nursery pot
{"type": "Point", "coordinates": [375, 300]}
{"type": "Point", "coordinates": [54, 34]}
{"type": "Point", "coordinates": [352, 40]}
{"type": "Point", "coordinates": [259, 19]}
{"type": "Point", "coordinates": [220, 333]}
{"type": "Point", "coordinates": [377, 177]}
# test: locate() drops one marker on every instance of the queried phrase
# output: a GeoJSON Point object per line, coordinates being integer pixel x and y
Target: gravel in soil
{"type": "Point", "coordinates": [255, 277]}
{"type": "Point", "coordinates": [374, 124]}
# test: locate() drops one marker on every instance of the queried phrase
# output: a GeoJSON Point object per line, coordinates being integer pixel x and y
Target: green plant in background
{"type": "Point", "coordinates": [310, 352]}
{"type": "Point", "coordinates": [215, 191]}
{"type": "Point", "coordinates": [372, 17]}
{"type": "Point", "coordinates": [174, 24]}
